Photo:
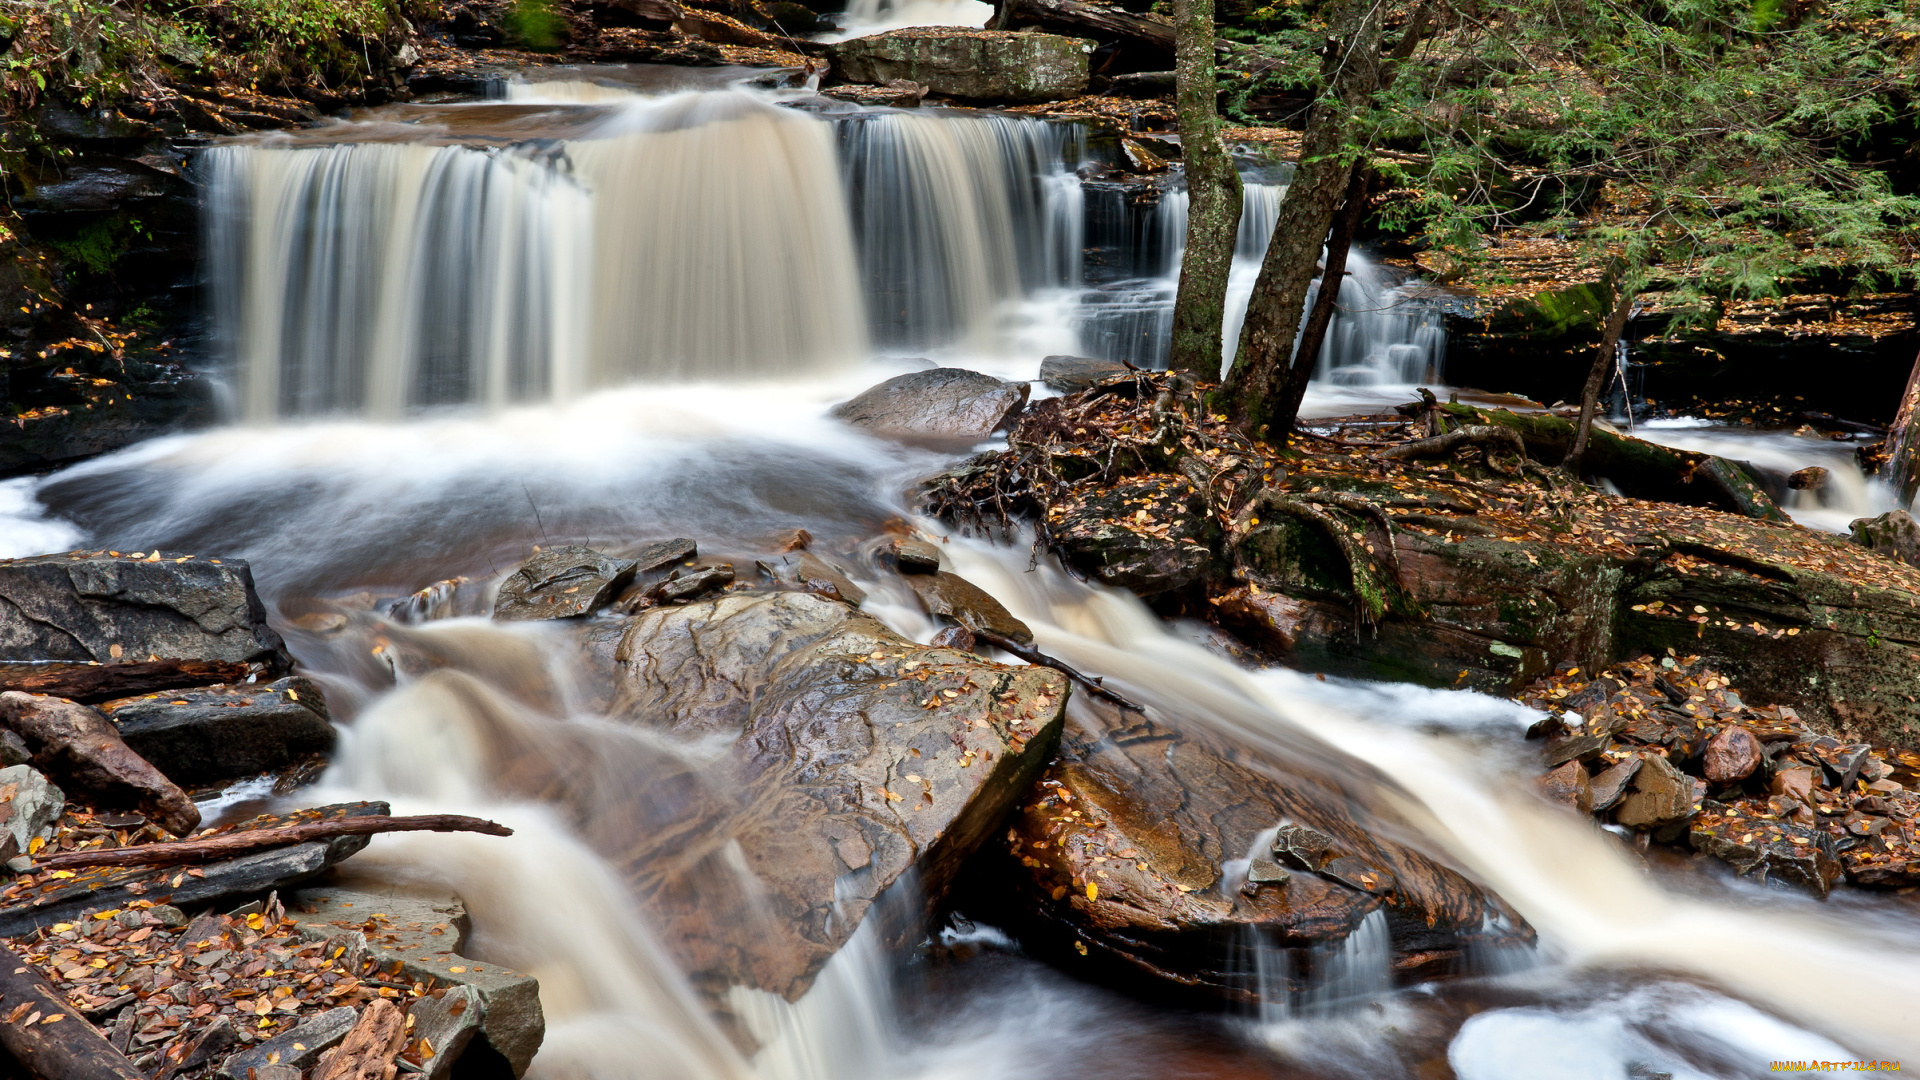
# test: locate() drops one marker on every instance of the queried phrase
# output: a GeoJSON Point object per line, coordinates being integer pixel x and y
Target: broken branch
{"type": "Point", "coordinates": [1039, 659]}
{"type": "Point", "coordinates": [239, 843]}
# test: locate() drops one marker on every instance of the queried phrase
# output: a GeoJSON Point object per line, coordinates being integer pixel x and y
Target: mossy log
{"type": "Point", "coordinates": [1638, 468]}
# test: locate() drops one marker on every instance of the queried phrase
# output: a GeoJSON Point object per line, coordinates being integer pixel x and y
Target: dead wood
{"type": "Point", "coordinates": [1039, 659]}
{"type": "Point", "coordinates": [371, 1050]}
{"type": "Point", "coordinates": [228, 845]}
{"type": "Point", "coordinates": [46, 1036]}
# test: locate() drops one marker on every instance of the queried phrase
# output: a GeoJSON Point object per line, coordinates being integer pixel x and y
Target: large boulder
{"type": "Point", "coordinates": [108, 607]}
{"type": "Point", "coordinates": [1894, 534]}
{"type": "Point", "coordinates": [217, 733]}
{"type": "Point", "coordinates": [1155, 856]}
{"type": "Point", "coordinates": [940, 404]}
{"type": "Point", "coordinates": [992, 65]}
{"type": "Point", "coordinates": [816, 759]}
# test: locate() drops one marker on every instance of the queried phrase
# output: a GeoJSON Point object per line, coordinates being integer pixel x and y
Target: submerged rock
{"type": "Point", "coordinates": [944, 404]}
{"type": "Point", "coordinates": [1154, 855]}
{"type": "Point", "coordinates": [106, 607]}
{"type": "Point", "coordinates": [835, 758]}
{"type": "Point", "coordinates": [978, 64]}
{"type": "Point", "coordinates": [560, 583]}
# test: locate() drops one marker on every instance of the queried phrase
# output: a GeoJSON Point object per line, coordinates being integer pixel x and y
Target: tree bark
{"type": "Point", "coordinates": [1213, 200]}
{"type": "Point", "coordinates": [1306, 355]}
{"type": "Point", "coordinates": [90, 682]}
{"type": "Point", "coordinates": [240, 843]}
{"type": "Point", "coordinates": [59, 1043]}
{"type": "Point", "coordinates": [371, 1049]}
{"type": "Point", "coordinates": [1603, 362]}
{"type": "Point", "coordinates": [82, 748]}
{"type": "Point", "coordinates": [1256, 383]}
{"type": "Point", "coordinates": [1104, 21]}
{"type": "Point", "coordinates": [1903, 442]}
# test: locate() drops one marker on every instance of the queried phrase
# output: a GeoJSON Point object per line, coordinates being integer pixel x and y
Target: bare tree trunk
{"type": "Point", "coordinates": [1254, 394]}
{"type": "Point", "coordinates": [1213, 199]}
{"type": "Point", "coordinates": [1903, 442]}
{"type": "Point", "coordinates": [1603, 361]}
{"type": "Point", "coordinates": [1306, 356]}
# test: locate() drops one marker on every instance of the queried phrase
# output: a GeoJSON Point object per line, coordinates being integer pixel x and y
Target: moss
{"type": "Point", "coordinates": [99, 245]}
{"type": "Point", "coordinates": [536, 25]}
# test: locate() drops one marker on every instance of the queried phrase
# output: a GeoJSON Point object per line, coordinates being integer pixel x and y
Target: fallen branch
{"type": "Point", "coordinates": [46, 1036]}
{"type": "Point", "coordinates": [1039, 659]}
{"type": "Point", "coordinates": [173, 853]}
{"type": "Point", "coordinates": [1485, 436]}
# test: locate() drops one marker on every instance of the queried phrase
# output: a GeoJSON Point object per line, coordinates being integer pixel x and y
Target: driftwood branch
{"type": "Point", "coordinates": [1039, 659]}
{"type": "Point", "coordinates": [89, 682]}
{"type": "Point", "coordinates": [46, 1036]}
{"type": "Point", "coordinates": [240, 843]}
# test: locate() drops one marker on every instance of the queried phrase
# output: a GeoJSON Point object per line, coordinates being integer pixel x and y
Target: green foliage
{"type": "Point", "coordinates": [101, 243]}
{"type": "Point", "coordinates": [1705, 147]}
{"type": "Point", "coordinates": [536, 25]}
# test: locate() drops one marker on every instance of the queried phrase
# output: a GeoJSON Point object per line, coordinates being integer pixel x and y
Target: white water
{"type": "Point", "coordinates": [878, 16]}
{"type": "Point", "coordinates": [346, 514]}
{"type": "Point", "coordinates": [1848, 493]}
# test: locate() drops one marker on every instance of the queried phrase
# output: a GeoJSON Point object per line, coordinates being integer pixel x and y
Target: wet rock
{"type": "Point", "coordinates": [1149, 535]}
{"type": "Point", "coordinates": [822, 577]}
{"type": "Point", "coordinates": [1578, 746]}
{"type": "Point", "coordinates": [503, 1021]}
{"type": "Point", "coordinates": [1894, 534]}
{"type": "Point", "coordinates": [1794, 783]}
{"type": "Point", "coordinates": [1766, 849]}
{"type": "Point", "coordinates": [1732, 755]}
{"type": "Point", "coordinates": [977, 64]}
{"type": "Point", "coordinates": [913, 556]}
{"type": "Point", "coordinates": [662, 554]}
{"type": "Point", "coordinates": [220, 733]}
{"type": "Point", "coordinates": [898, 94]}
{"type": "Point", "coordinates": [1609, 786]}
{"type": "Point", "coordinates": [1811, 478]}
{"type": "Point", "coordinates": [1072, 374]}
{"type": "Point", "coordinates": [1271, 622]}
{"type": "Point", "coordinates": [954, 637]}
{"type": "Point", "coordinates": [1843, 764]}
{"type": "Point", "coordinates": [444, 599]}
{"type": "Point", "coordinates": [838, 757]}
{"type": "Point", "coordinates": [84, 750]}
{"type": "Point", "coordinates": [1141, 84]}
{"type": "Point", "coordinates": [102, 607]}
{"type": "Point", "coordinates": [31, 803]}
{"type": "Point", "coordinates": [447, 1024]}
{"type": "Point", "coordinates": [560, 583]}
{"type": "Point", "coordinates": [247, 875]}
{"type": "Point", "coordinates": [1568, 786]}
{"type": "Point", "coordinates": [954, 597]}
{"type": "Point", "coordinates": [941, 405]}
{"type": "Point", "coordinates": [1116, 865]}
{"type": "Point", "coordinates": [682, 586]}
{"type": "Point", "coordinates": [13, 750]}
{"type": "Point", "coordinates": [1659, 796]}
{"type": "Point", "coordinates": [298, 1048]}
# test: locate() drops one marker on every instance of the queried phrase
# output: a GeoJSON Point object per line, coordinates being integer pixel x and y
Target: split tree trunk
{"type": "Point", "coordinates": [1603, 363]}
{"type": "Point", "coordinates": [1306, 356]}
{"type": "Point", "coordinates": [1262, 365]}
{"type": "Point", "coordinates": [59, 1043]}
{"type": "Point", "coordinates": [1903, 442]}
{"type": "Point", "coordinates": [1213, 199]}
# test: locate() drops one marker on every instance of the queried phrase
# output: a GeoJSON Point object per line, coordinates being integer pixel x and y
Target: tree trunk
{"type": "Point", "coordinates": [1213, 200]}
{"type": "Point", "coordinates": [1903, 442]}
{"type": "Point", "coordinates": [1603, 362]}
{"type": "Point", "coordinates": [1106, 22]}
{"type": "Point", "coordinates": [46, 1036]}
{"type": "Point", "coordinates": [1306, 356]}
{"type": "Point", "coordinates": [1262, 364]}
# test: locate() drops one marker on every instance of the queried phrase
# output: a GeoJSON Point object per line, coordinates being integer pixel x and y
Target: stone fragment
{"type": "Point", "coordinates": [560, 583]}
{"type": "Point", "coordinates": [1302, 846]}
{"type": "Point", "coordinates": [31, 805]}
{"type": "Point", "coordinates": [13, 750]}
{"type": "Point", "coordinates": [661, 554]}
{"type": "Point", "coordinates": [1794, 783]}
{"type": "Point", "coordinates": [1610, 785]}
{"type": "Point", "coordinates": [826, 579]}
{"type": "Point", "coordinates": [1358, 873]}
{"type": "Point", "coordinates": [1660, 795]}
{"type": "Point", "coordinates": [913, 556]}
{"type": "Point", "coordinates": [1580, 746]}
{"type": "Point", "coordinates": [686, 585]}
{"type": "Point", "coordinates": [946, 405]}
{"type": "Point", "coordinates": [1072, 374]}
{"type": "Point", "coordinates": [1811, 478]}
{"type": "Point", "coordinates": [954, 637]}
{"type": "Point", "coordinates": [1267, 872]}
{"type": "Point", "coordinates": [1894, 534]}
{"type": "Point", "coordinates": [1567, 785]}
{"type": "Point", "coordinates": [107, 608]}
{"type": "Point", "coordinates": [444, 1026]}
{"type": "Point", "coordinates": [1767, 849]}
{"type": "Point", "coordinates": [299, 1047]}
{"type": "Point", "coordinates": [218, 733]}
{"type": "Point", "coordinates": [963, 63]}
{"type": "Point", "coordinates": [85, 750]}
{"type": "Point", "coordinates": [1732, 755]}
{"type": "Point", "coordinates": [954, 597]}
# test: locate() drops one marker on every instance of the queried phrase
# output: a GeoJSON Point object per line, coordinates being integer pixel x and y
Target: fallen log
{"type": "Point", "coordinates": [1486, 436]}
{"type": "Point", "coordinates": [85, 749]}
{"type": "Point", "coordinates": [174, 853]}
{"type": "Point", "coordinates": [1640, 469]}
{"type": "Point", "coordinates": [371, 1050]}
{"type": "Point", "coordinates": [1039, 659]}
{"type": "Point", "coordinates": [87, 681]}
{"type": "Point", "coordinates": [1106, 22]}
{"type": "Point", "coordinates": [46, 1036]}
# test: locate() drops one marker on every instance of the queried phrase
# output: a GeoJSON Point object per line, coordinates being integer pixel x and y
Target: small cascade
{"type": "Point", "coordinates": [1296, 983]}
{"type": "Point", "coordinates": [956, 216]}
{"type": "Point", "coordinates": [876, 16]}
{"type": "Point", "coordinates": [1380, 335]}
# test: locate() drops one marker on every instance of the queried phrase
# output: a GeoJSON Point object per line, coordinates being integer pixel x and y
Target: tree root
{"type": "Point", "coordinates": [1485, 436]}
{"type": "Point", "coordinates": [1364, 566]}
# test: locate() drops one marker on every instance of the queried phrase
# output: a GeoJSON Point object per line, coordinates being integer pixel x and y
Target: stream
{"type": "Point", "coordinates": [592, 313]}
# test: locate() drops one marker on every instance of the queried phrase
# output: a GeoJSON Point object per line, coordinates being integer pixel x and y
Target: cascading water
{"type": "Point", "coordinates": [345, 291]}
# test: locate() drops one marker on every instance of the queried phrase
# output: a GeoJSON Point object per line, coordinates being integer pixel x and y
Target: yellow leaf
{"type": "Point", "coordinates": [62, 927]}
{"type": "Point", "coordinates": [457, 970]}
{"type": "Point", "coordinates": [1093, 891]}
{"type": "Point", "coordinates": [55, 1018]}
{"type": "Point", "coordinates": [62, 874]}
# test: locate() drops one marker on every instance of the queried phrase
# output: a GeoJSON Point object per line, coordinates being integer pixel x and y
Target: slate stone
{"type": "Point", "coordinates": [217, 733]}
{"type": "Point", "coordinates": [96, 606]}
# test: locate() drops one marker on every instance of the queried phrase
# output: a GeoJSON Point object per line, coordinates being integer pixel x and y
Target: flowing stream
{"type": "Point", "coordinates": [582, 315]}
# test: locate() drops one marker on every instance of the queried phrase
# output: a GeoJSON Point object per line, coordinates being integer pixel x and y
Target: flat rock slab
{"type": "Point", "coordinates": [979, 64]}
{"type": "Point", "coordinates": [940, 405]}
{"type": "Point", "coordinates": [561, 583]}
{"type": "Point", "coordinates": [815, 758]}
{"type": "Point", "coordinates": [1072, 374]}
{"type": "Point", "coordinates": [215, 733]}
{"type": "Point", "coordinates": [950, 596]}
{"type": "Point", "coordinates": [36, 900]}
{"type": "Point", "coordinates": [1137, 854]}
{"type": "Point", "coordinates": [99, 606]}
{"type": "Point", "coordinates": [424, 933]}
